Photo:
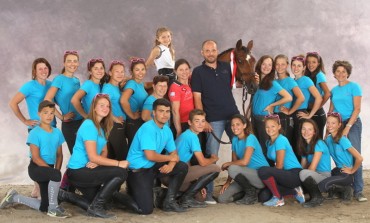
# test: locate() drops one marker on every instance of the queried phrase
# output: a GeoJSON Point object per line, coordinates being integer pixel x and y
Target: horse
{"type": "Point", "coordinates": [243, 75]}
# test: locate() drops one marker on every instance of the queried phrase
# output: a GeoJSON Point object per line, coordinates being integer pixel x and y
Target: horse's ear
{"type": "Point", "coordinates": [250, 45]}
{"type": "Point", "coordinates": [239, 44]}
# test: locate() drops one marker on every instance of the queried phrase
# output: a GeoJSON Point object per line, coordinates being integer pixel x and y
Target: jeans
{"type": "Point", "coordinates": [212, 145]}
{"type": "Point", "coordinates": [354, 137]}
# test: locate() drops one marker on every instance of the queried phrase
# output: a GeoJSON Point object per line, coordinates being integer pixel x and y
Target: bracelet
{"type": "Point", "coordinates": [349, 125]}
{"type": "Point", "coordinates": [118, 163]}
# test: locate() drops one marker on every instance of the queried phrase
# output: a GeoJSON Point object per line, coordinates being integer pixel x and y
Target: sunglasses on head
{"type": "Point", "coordinates": [136, 60]}
{"type": "Point", "coordinates": [312, 53]}
{"type": "Point", "coordinates": [273, 116]}
{"type": "Point", "coordinates": [115, 62]}
{"type": "Point", "coordinates": [101, 95]}
{"type": "Point", "coordinates": [73, 52]}
{"type": "Point", "coordinates": [335, 114]}
{"type": "Point", "coordinates": [298, 58]}
{"type": "Point", "coordinates": [96, 60]}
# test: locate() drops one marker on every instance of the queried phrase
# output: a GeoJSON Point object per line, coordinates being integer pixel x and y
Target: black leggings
{"type": "Point", "coordinates": [69, 130]}
{"type": "Point", "coordinates": [89, 181]}
{"type": "Point", "coordinates": [141, 182]}
{"type": "Point", "coordinates": [132, 125]}
{"type": "Point", "coordinates": [42, 175]}
{"type": "Point", "coordinates": [286, 122]}
{"type": "Point", "coordinates": [337, 178]}
{"type": "Point", "coordinates": [280, 182]}
{"type": "Point", "coordinates": [260, 131]}
{"type": "Point", "coordinates": [117, 143]}
{"type": "Point", "coordinates": [320, 118]}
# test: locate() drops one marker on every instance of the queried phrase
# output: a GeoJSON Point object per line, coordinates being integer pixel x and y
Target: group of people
{"type": "Point", "coordinates": [116, 132]}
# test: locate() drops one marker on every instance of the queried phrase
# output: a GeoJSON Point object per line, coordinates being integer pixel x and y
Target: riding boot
{"type": "Point", "coordinates": [96, 208]}
{"type": "Point", "coordinates": [187, 199]}
{"type": "Point", "coordinates": [170, 203]}
{"type": "Point", "coordinates": [250, 196]}
{"type": "Point", "coordinates": [75, 199]}
{"type": "Point", "coordinates": [345, 192]}
{"type": "Point", "coordinates": [316, 198]}
{"type": "Point", "coordinates": [126, 201]}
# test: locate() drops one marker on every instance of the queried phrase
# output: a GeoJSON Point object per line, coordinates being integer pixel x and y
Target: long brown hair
{"type": "Point", "coordinates": [107, 122]}
{"type": "Point", "coordinates": [302, 144]}
{"type": "Point", "coordinates": [339, 134]}
{"type": "Point", "coordinates": [266, 82]}
{"type": "Point", "coordinates": [158, 33]}
{"type": "Point", "coordinates": [248, 129]}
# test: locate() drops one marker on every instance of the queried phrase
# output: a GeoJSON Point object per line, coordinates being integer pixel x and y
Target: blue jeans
{"type": "Point", "coordinates": [354, 137]}
{"type": "Point", "coordinates": [213, 145]}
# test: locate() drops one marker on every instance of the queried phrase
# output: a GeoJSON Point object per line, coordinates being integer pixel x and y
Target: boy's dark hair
{"type": "Point", "coordinates": [195, 112]}
{"type": "Point", "coordinates": [161, 101]}
{"type": "Point", "coordinates": [45, 104]}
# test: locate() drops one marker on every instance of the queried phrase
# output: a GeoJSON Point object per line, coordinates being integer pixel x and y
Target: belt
{"type": "Point", "coordinates": [137, 170]}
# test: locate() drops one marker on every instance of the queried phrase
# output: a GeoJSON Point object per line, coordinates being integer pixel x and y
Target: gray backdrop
{"type": "Point", "coordinates": [118, 29]}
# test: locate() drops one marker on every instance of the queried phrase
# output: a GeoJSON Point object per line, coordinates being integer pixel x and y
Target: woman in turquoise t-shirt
{"type": "Point", "coordinates": [315, 160]}
{"type": "Point", "coordinates": [346, 100]}
{"type": "Point", "coordinates": [133, 97]}
{"type": "Point", "coordinates": [62, 89]}
{"type": "Point", "coordinates": [247, 158]}
{"type": "Point", "coordinates": [82, 99]}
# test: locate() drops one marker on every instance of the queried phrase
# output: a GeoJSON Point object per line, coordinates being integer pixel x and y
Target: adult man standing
{"type": "Point", "coordinates": [210, 83]}
{"type": "Point", "coordinates": [147, 162]}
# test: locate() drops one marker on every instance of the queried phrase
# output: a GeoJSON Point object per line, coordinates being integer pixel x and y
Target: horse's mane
{"type": "Point", "coordinates": [228, 50]}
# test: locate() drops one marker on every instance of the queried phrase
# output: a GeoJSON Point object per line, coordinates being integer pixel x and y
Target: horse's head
{"type": "Point", "coordinates": [245, 66]}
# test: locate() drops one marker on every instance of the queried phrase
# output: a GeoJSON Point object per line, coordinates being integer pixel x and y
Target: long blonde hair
{"type": "Point", "coordinates": [107, 122]}
{"type": "Point", "coordinates": [158, 34]}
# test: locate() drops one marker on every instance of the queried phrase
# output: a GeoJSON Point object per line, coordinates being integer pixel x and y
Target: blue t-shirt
{"type": "Point", "coordinates": [324, 163]}
{"type": "Point", "coordinates": [320, 78]}
{"type": "Point", "coordinates": [138, 96]}
{"type": "Point", "coordinates": [34, 93]}
{"type": "Point", "coordinates": [149, 137]}
{"type": "Point", "coordinates": [339, 151]}
{"type": "Point", "coordinates": [67, 87]}
{"type": "Point", "coordinates": [187, 143]}
{"type": "Point", "coordinates": [304, 83]}
{"type": "Point", "coordinates": [91, 89]}
{"type": "Point", "coordinates": [263, 98]}
{"type": "Point", "coordinates": [239, 147]}
{"type": "Point", "coordinates": [47, 142]}
{"type": "Point", "coordinates": [282, 143]}
{"type": "Point", "coordinates": [342, 98]}
{"type": "Point", "coordinates": [86, 132]}
{"type": "Point", "coordinates": [115, 96]}
{"type": "Point", "coordinates": [288, 84]}
{"type": "Point", "coordinates": [148, 104]}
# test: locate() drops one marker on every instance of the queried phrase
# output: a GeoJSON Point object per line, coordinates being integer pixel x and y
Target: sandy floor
{"type": "Point", "coordinates": [330, 211]}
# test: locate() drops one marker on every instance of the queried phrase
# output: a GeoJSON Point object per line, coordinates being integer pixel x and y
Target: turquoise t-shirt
{"type": "Point", "coordinates": [320, 78]}
{"type": "Point", "coordinates": [187, 143]}
{"type": "Point", "coordinates": [288, 84]}
{"type": "Point", "coordinates": [239, 147]}
{"type": "Point", "coordinates": [47, 142]}
{"type": "Point", "coordinates": [149, 137]}
{"type": "Point", "coordinates": [91, 89]}
{"type": "Point", "coordinates": [67, 87]}
{"type": "Point", "coordinates": [324, 163]}
{"type": "Point", "coordinates": [339, 151]}
{"type": "Point", "coordinates": [34, 94]}
{"type": "Point", "coordinates": [304, 83]}
{"type": "Point", "coordinates": [115, 96]}
{"type": "Point", "coordinates": [342, 98]}
{"type": "Point", "coordinates": [263, 98]}
{"type": "Point", "coordinates": [86, 132]}
{"type": "Point", "coordinates": [282, 143]}
{"type": "Point", "coordinates": [138, 96]}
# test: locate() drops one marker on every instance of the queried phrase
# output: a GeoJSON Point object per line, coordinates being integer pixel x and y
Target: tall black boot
{"type": "Point", "coordinates": [96, 208]}
{"type": "Point", "coordinates": [187, 199]}
{"type": "Point", "coordinates": [250, 196]}
{"type": "Point", "coordinates": [126, 201]}
{"type": "Point", "coordinates": [316, 198]}
{"type": "Point", "coordinates": [345, 192]}
{"type": "Point", "coordinates": [170, 203]}
{"type": "Point", "coordinates": [75, 199]}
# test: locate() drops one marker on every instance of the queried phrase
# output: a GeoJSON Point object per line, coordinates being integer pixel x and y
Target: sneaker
{"type": "Point", "coordinates": [58, 212]}
{"type": "Point", "coordinates": [8, 199]}
{"type": "Point", "coordinates": [210, 199]}
{"type": "Point", "coordinates": [274, 202]}
{"type": "Point", "coordinates": [299, 196]}
{"type": "Point", "coordinates": [360, 197]}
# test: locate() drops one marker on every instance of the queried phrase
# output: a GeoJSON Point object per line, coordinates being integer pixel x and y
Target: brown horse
{"type": "Point", "coordinates": [243, 62]}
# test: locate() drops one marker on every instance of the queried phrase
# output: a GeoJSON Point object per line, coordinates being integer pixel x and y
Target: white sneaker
{"type": "Point", "coordinates": [210, 199]}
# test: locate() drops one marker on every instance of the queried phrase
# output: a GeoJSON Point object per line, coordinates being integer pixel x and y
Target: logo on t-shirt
{"type": "Point", "coordinates": [172, 94]}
